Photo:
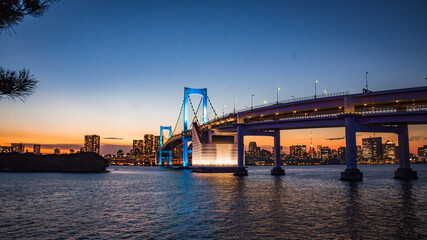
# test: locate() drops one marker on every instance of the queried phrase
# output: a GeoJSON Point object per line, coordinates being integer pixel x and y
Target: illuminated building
{"type": "Point", "coordinates": [422, 151]}
{"type": "Point", "coordinates": [297, 151]}
{"type": "Point", "coordinates": [325, 153]}
{"type": "Point", "coordinates": [92, 143]}
{"type": "Point", "coordinates": [156, 143]}
{"type": "Point", "coordinates": [372, 148]}
{"type": "Point", "coordinates": [138, 147]}
{"type": "Point", "coordinates": [5, 149]}
{"type": "Point", "coordinates": [56, 151]}
{"type": "Point", "coordinates": [149, 141]}
{"type": "Point", "coordinates": [18, 147]}
{"type": "Point", "coordinates": [319, 150]}
{"type": "Point", "coordinates": [36, 149]}
{"type": "Point", "coordinates": [389, 150]}
{"type": "Point", "coordinates": [120, 153]}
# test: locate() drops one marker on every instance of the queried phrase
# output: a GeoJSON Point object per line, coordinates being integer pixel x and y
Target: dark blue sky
{"type": "Point", "coordinates": [95, 59]}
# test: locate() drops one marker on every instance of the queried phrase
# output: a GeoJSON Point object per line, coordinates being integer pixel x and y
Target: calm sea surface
{"type": "Point", "coordinates": [158, 203]}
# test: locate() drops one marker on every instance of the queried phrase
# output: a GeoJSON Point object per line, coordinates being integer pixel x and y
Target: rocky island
{"type": "Point", "coordinates": [65, 163]}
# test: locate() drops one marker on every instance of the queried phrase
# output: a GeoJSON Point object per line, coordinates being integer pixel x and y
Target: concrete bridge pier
{"type": "Point", "coordinates": [404, 171]}
{"type": "Point", "coordinates": [351, 173]}
{"type": "Point", "coordinates": [277, 170]}
{"type": "Point", "coordinates": [240, 170]}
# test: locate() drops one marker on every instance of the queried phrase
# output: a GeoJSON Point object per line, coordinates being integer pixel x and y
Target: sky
{"type": "Point", "coordinates": [118, 68]}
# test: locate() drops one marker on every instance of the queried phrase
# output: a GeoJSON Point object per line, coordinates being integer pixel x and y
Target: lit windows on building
{"type": "Point", "coordinates": [18, 147]}
{"type": "Point", "coordinates": [372, 148]}
{"type": "Point", "coordinates": [36, 149]}
{"type": "Point", "coordinates": [389, 150]}
{"type": "Point", "coordinates": [149, 144]}
{"type": "Point", "coordinates": [156, 143]}
{"type": "Point", "coordinates": [422, 151]}
{"type": "Point", "coordinates": [92, 143]}
{"type": "Point", "coordinates": [137, 147]}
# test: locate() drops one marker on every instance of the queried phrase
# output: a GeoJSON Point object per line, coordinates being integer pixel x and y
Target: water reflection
{"type": "Point", "coordinates": [152, 203]}
{"type": "Point", "coordinates": [406, 216]}
{"type": "Point", "coordinates": [353, 211]}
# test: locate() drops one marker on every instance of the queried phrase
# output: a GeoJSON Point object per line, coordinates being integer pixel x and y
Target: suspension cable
{"type": "Point", "coordinates": [198, 107]}
{"type": "Point", "coordinates": [213, 109]}
{"type": "Point", "coordinates": [179, 116]}
{"type": "Point", "coordinates": [192, 107]}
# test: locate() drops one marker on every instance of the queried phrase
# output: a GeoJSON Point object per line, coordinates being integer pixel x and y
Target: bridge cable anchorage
{"type": "Point", "coordinates": [209, 100]}
{"type": "Point", "coordinates": [192, 107]}
{"type": "Point", "coordinates": [198, 107]}
{"type": "Point", "coordinates": [179, 116]}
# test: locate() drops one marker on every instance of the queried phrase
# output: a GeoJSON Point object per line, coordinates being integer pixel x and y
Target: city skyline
{"type": "Point", "coordinates": [118, 70]}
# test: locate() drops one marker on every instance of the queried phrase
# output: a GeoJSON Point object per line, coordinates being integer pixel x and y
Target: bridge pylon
{"type": "Point", "coordinates": [187, 92]}
{"type": "Point", "coordinates": [161, 145]}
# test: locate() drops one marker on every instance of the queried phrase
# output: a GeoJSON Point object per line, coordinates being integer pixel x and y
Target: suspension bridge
{"type": "Point", "coordinates": [219, 143]}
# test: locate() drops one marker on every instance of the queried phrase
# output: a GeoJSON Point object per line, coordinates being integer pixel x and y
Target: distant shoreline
{"type": "Point", "coordinates": [64, 163]}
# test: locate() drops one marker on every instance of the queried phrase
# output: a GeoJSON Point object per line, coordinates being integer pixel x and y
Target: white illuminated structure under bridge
{"type": "Point", "coordinates": [213, 150]}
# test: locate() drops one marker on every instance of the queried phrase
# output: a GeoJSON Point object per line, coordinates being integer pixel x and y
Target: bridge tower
{"type": "Point", "coordinates": [187, 92]}
{"type": "Point", "coordinates": [161, 145]}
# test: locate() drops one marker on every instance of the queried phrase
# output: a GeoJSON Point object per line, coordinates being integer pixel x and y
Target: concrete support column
{"type": "Point", "coordinates": [404, 171]}
{"type": "Point", "coordinates": [277, 170]}
{"type": "Point", "coordinates": [351, 173]}
{"type": "Point", "coordinates": [160, 158]}
{"type": "Point", "coordinates": [170, 158]}
{"type": "Point", "coordinates": [241, 170]}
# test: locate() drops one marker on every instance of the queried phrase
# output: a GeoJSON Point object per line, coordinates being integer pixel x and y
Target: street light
{"type": "Point", "coordinates": [235, 101]}
{"type": "Point", "coordinates": [315, 88]}
{"type": "Point", "coordinates": [326, 93]}
{"type": "Point", "coordinates": [252, 101]}
{"type": "Point", "coordinates": [265, 101]}
{"type": "Point", "coordinates": [278, 89]}
{"type": "Point", "coordinates": [223, 108]}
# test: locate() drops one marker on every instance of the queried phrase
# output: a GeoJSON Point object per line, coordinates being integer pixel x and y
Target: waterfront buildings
{"type": "Point", "coordinates": [372, 148]}
{"type": "Point", "coordinates": [422, 151]}
{"type": "Point", "coordinates": [36, 149]}
{"type": "Point", "coordinates": [149, 144]}
{"type": "Point", "coordinates": [18, 147]}
{"type": "Point", "coordinates": [389, 150]}
{"type": "Point", "coordinates": [92, 143]}
{"type": "Point", "coordinates": [156, 143]}
{"type": "Point", "coordinates": [137, 148]}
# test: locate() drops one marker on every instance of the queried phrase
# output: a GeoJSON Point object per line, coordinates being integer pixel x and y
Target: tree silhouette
{"type": "Point", "coordinates": [18, 84]}
{"type": "Point", "coordinates": [12, 12]}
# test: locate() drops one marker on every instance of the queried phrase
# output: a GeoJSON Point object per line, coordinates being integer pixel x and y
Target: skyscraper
{"type": "Point", "coordinates": [138, 147]}
{"type": "Point", "coordinates": [389, 150]}
{"type": "Point", "coordinates": [92, 143]}
{"type": "Point", "coordinates": [36, 149]}
{"type": "Point", "coordinates": [372, 148]}
{"type": "Point", "coordinates": [156, 142]}
{"type": "Point", "coordinates": [149, 141]}
{"type": "Point", "coordinates": [252, 146]}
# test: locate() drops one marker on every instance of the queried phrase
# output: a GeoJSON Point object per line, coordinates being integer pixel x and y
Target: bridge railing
{"type": "Point", "coordinates": [334, 94]}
